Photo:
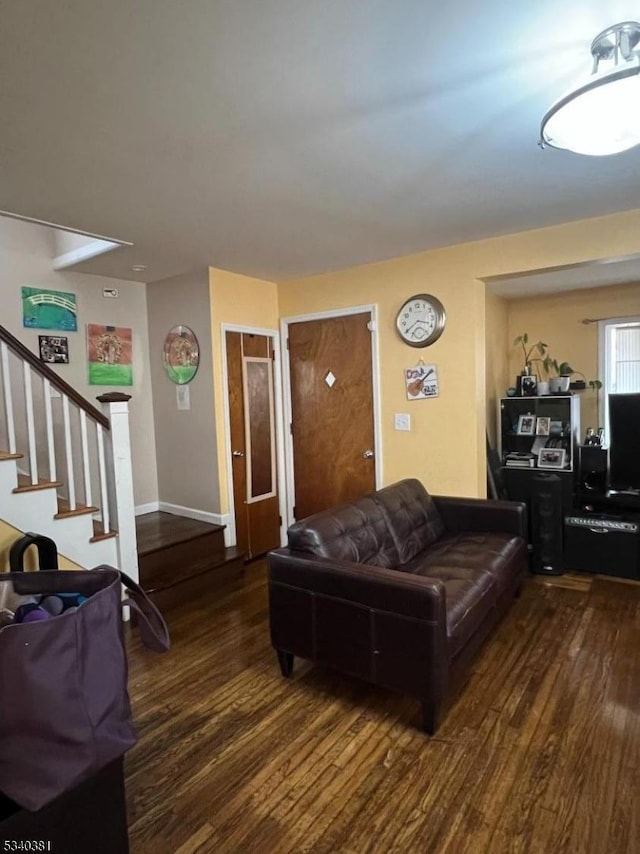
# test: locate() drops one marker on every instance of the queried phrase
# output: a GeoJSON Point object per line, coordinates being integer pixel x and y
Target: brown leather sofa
{"type": "Point", "coordinates": [398, 588]}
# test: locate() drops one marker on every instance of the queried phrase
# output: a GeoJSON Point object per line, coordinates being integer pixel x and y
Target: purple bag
{"type": "Point", "coordinates": [64, 703]}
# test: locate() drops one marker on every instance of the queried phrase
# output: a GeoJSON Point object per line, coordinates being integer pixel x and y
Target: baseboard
{"type": "Point", "coordinates": [192, 513]}
{"type": "Point", "coordinates": [151, 507]}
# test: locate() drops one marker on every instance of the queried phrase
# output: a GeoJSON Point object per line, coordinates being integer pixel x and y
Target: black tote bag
{"type": "Point", "coordinates": [64, 702]}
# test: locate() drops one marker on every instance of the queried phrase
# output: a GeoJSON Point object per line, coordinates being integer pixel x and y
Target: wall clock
{"type": "Point", "coordinates": [421, 320]}
{"type": "Point", "coordinates": [180, 355]}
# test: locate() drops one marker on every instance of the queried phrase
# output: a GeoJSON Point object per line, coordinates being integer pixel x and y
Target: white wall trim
{"type": "Point", "coordinates": [151, 507]}
{"type": "Point", "coordinates": [279, 428]}
{"type": "Point", "coordinates": [199, 515]}
{"type": "Point", "coordinates": [372, 309]}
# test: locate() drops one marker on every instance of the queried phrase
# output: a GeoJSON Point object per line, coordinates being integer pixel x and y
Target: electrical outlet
{"type": "Point", "coordinates": [402, 421]}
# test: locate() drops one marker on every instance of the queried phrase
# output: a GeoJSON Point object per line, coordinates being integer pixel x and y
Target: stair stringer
{"type": "Point", "coordinates": [35, 511]}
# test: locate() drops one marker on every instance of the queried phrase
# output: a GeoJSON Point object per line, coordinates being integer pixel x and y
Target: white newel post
{"type": "Point", "coordinates": [115, 406]}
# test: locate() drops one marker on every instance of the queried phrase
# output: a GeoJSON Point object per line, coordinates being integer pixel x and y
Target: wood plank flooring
{"type": "Point", "coordinates": [539, 753]}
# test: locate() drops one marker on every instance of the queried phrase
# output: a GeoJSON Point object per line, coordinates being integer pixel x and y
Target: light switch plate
{"type": "Point", "coordinates": [402, 421]}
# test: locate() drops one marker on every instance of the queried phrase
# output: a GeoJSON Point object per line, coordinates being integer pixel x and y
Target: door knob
{"type": "Point", "coordinates": [367, 455]}
{"type": "Point", "coordinates": [237, 453]}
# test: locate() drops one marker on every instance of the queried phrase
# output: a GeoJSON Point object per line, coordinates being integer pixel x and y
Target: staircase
{"type": "Point", "coordinates": [65, 472]}
{"type": "Point", "coordinates": [181, 559]}
{"type": "Point", "coordinates": [65, 467]}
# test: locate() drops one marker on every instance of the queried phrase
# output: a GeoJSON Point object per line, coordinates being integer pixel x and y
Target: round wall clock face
{"type": "Point", "coordinates": [421, 320]}
{"type": "Point", "coordinates": [180, 355]}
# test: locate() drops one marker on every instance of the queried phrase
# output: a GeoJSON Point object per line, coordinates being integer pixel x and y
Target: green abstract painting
{"type": "Point", "coordinates": [42, 309]}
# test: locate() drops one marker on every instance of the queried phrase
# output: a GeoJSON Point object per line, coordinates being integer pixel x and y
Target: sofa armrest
{"type": "Point", "coordinates": [482, 514]}
{"type": "Point", "coordinates": [375, 587]}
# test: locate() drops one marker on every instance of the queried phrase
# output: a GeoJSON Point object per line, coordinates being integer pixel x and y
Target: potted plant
{"type": "Point", "coordinates": [528, 350]}
{"type": "Point", "coordinates": [562, 383]}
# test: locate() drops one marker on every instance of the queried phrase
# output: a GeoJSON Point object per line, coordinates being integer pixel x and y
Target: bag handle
{"type": "Point", "coordinates": [153, 629]}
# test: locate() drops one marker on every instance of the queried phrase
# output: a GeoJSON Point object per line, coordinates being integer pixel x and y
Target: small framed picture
{"type": "Point", "coordinates": [528, 386]}
{"type": "Point", "coordinates": [543, 426]}
{"type": "Point", "coordinates": [526, 425]}
{"type": "Point", "coordinates": [551, 458]}
{"type": "Point", "coordinates": [54, 348]}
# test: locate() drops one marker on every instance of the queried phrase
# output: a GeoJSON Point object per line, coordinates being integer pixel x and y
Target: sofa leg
{"type": "Point", "coordinates": [430, 716]}
{"type": "Point", "coordinates": [285, 660]}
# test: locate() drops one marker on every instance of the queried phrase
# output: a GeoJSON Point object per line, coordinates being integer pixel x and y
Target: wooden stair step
{"type": "Point", "coordinates": [194, 580]}
{"type": "Point", "coordinates": [64, 510]}
{"type": "Point", "coordinates": [99, 532]}
{"type": "Point", "coordinates": [5, 455]}
{"type": "Point", "coordinates": [180, 559]}
{"type": "Point", "coordinates": [158, 531]}
{"type": "Point", "coordinates": [25, 485]}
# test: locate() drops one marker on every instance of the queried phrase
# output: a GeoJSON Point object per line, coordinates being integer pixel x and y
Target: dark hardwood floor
{"type": "Point", "coordinates": [539, 753]}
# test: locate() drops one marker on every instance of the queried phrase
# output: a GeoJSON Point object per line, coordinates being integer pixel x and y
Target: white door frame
{"type": "Point", "coordinates": [279, 427]}
{"type": "Point", "coordinates": [286, 386]}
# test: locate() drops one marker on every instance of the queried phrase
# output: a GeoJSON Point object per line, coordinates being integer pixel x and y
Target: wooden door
{"type": "Point", "coordinates": [332, 411]}
{"type": "Point", "coordinates": [253, 442]}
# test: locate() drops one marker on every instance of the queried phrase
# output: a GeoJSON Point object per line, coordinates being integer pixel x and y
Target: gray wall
{"type": "Point", "coordinates": [26, 253]}
{"type": "Point", "coordinates": [185, 439]}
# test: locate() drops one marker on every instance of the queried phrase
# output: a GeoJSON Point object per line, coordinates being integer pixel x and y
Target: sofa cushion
{"type": "Point", "coordinates": [356, 532]}
{"type": "Point", "coordinates": [488, 551]}
{"type": "Point", "coordinates": [470, 594]}
{"type": "Point", "coordinates": [413, 519]}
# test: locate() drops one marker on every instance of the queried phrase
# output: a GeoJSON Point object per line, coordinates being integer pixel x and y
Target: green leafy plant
{"type": "Point", "coordinates": [564, 369]}
{"type": "Point", "coordinates": [537, 354]}
{"type": "Point", "coordinates": [528, 350]}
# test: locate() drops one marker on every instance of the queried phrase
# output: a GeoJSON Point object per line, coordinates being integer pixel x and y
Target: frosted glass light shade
{"type": "Point", "coordinates": [601, 117]}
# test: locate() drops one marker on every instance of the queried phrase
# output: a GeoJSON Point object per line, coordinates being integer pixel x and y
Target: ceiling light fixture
{"type": "Point", "coordinates": [601, 116]}
{"type": "Point", "coordinates": [139, 268]}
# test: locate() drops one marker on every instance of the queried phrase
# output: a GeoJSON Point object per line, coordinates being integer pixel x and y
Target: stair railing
{"type": "Point", "coordinates": [79, 437]}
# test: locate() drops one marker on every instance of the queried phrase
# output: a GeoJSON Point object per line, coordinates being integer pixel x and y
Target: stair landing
{"type": "Point", "coordinates": [180, 558]}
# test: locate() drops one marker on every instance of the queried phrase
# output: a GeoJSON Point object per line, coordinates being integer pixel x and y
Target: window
{"type": "Point", "coordinates": [619, 359]}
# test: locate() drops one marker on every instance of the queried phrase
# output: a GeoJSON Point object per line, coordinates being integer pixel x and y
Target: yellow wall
{"type": "Point", "coordinates": [446, 448]}
{"type": "Point", "coordinates": [242, 301]}
{"type": "Point", "coordinates": [556, 320]}
{"type": "Point", "coordinates": [442, 447]}
{"type": "Point", "coordinates": [8, 536]}
{"type": "Point", "coordinates": [497, 348]}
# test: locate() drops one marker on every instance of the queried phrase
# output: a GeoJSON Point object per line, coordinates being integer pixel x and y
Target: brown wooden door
{"type": "Point", "coordinates": [332, 411]}
{"type": "Point", "coordinates": [253, 442]}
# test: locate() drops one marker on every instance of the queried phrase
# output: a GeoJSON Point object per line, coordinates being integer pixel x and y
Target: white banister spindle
{"type": "Point", "coordinates": [71, 485]}
{"type": "Point", "coordinates": [116, 407]}
{"type": "Point", "coordinates": [102, 474]}
{"type": "Point", "coordinates": [8, 400]}
{"type": "Point", "coordinates": [48, 418]}
{"type": "Point", "coordinates": [85, 458]}
{"type": "Point", "coordinates": [31, 426]}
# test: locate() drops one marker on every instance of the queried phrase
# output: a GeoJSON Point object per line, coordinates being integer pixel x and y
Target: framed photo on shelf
{"type": "Point", "coordinates": [526, 425]}
{"type": "Point", "coordinates": [543, 426]}
{"type": "Point", "coordinates": [551, 458]}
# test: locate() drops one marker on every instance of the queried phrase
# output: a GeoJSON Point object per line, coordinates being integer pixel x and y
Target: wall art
{"type": "Point", "coordinates": [181, 355]}
{"type": "Point", "coordinates": [110, 355]}
{"type": "Point", "coordinates": [421, 382]}
{"type": "Point", "coordinates": [42, 309]}
{"type": "Point", "coordinates": [54, 349]}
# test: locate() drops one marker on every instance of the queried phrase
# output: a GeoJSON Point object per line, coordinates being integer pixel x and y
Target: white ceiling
{"type": "Point", "coordinates": [598, 274]}
{"type": "Point", "coordinates": [287, 137]}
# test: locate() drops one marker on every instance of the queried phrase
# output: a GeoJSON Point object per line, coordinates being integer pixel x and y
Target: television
{"type": "Point", "coordinates": [624, 442]}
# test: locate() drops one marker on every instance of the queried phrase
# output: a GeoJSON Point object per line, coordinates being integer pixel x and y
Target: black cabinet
{"type": "Point", "coordinates": [539, 432]}
{"type": "Point", "coordinates": [538, 441]}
